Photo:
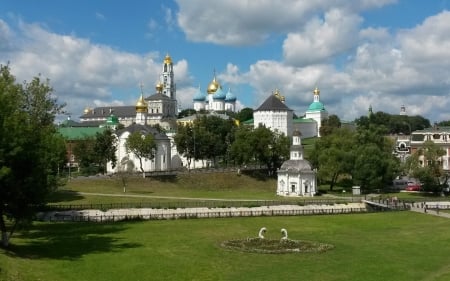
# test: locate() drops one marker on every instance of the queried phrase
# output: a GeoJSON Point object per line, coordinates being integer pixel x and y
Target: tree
{"type": "Point", "coordinates": [244, 114]}
{"type": "Point", "coordinates": [333, 155]}
{"type": "Point", "coordinates": [186, 112]}
{"type": "Point", "coordinates": [425, 164]}
{"type": "Point", "coordinates": [375, 166]}
{"type": "Point", "coordinates": [329, 125]}
{"type": "Point", "coordinates": [30, 149]}
{"type": "Point", "coordinates": [105, 149]}
{"type": "Point", "coordinates": [143, 146]}
{"type": "Point", "coordinates": [241, 149]}
{"type": "Point", "coordinates": [267, 147]}
{"type": "Point", "coordinates": [185, 142]}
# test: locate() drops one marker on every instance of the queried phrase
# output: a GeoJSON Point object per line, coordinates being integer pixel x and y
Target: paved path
{"type": "Point", "coordinates": [431, 212]}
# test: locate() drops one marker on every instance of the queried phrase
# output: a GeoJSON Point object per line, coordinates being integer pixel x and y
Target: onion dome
{"type": "Point", "coordinates": [316, 91]}
{"type": "Point", "coordinates": [213, 86]}
{"type": "Point", "coordinates": [159, 87]}
{"type": "Point", "coordinates": [199, 96]}
{"type": "Point", "coordinates": [167, 59]}
{"type": "Point", "coordinates": [230, 97]}
{"type": "Point", "coordinates": [87, 110]}
{"type": "Point", "coordinates": [141, 105]}
{"type": "Point", "coordinates": [278, 95]}
{"type": "Point", "coordinates": [219, 94]}
{"type": "Point", "coordinates": [316, 105]}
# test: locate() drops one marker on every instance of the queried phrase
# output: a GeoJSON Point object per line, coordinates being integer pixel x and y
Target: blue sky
{"type": "Point", "coordinates": [383, 53]}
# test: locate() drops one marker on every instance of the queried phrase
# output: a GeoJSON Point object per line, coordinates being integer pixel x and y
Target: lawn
{"type": "Point", "coordinates": [375, 246]}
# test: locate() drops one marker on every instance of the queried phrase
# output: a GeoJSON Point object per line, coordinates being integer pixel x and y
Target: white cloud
{"type": "Point", "coordinates": [322, 39]}
{"type": "Point", "coordinates": [251, 22]}
{"type": "Point", "coordinates": [82, 73]}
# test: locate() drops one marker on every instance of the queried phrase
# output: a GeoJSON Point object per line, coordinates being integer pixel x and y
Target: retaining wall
{"type": "Point", "coordinates": [190, 213]}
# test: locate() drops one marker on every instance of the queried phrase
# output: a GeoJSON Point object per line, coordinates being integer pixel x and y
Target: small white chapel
{"type": "Point", "coordinates": [295, 176]}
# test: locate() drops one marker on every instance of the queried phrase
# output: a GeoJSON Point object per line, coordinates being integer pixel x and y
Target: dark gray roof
{"type": "Point", "coordinates": [272, 103]}
{"type": "Point", "coordinates": [144, 129]}
{"type": "Point", "coordinates": [105, 111]}
{"type": "Point", "coordinates": [296, 165]}
{"type": "Point", "coordinates": [157, 96]}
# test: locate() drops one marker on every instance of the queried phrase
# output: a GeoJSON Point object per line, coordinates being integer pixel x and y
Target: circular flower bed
{"type": "Point", "coordinates": [268, 246]}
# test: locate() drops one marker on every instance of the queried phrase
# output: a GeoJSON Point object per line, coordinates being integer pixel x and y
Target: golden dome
{"type": "Point", "coordinates": [213, 86]}
{"type": "Point", "coordinates": [141, 105]}
{"type": "Point", "coordinates": [167, 59]}
{"type": "Point", "coordinates": [159, 87]}
{"type": "Point", "coordinates": [316, 91]}
{"type": "Point", "coordinates": [87, 110]}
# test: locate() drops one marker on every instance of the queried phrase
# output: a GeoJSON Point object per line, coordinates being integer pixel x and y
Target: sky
{"type": "Point", "coordinates": [359, 53]}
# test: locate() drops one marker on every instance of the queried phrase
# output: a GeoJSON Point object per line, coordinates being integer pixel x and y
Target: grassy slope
{"type": "Point", "coordinates": [383, 246]}
{"type": "Point", "coordinates": [218, 185]}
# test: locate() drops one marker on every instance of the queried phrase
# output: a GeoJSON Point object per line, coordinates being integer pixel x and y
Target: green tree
{"type": "Point", "coordinates": [329, 125]}
{"type": "Point", "coordinates": [143, 146]}
{"type": "Point", "coordinates": [241, 149]}
{"type": "Point", "coordinates": [85, 155]}
{"type": "Point", "coordinates": [186, 112]}
{"type": "Point", "coordinates": [105, 149]}
{"type": "Point", "coordinates": [30, 149]}
{"type": "Point", "coordinates": [375, 166]}
{"type": "Point", "coordinates": [333, 155]}
{"type": "Point", "coordinates": [269, 148]}
{"type": "Point", "coordinates": [185, 142]}
{"type": "Point", "coordinates": [244, 114]}
{"type": "Point", "coordinates": [425, 164]}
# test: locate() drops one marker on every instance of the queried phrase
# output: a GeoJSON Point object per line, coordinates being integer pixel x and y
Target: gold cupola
{"type": "Point", "coordinates": [141, 105]}
{"type": "Point", "coordinates": [87, 110]}
{"type": "Point", "coordinates": [316, 91]}
{"type": "Point", "coordinates": [167, 59]}
{"type": "Point", "coordinates": [213, 86]}
{"type": "Point", "coordinates": [159, 87]}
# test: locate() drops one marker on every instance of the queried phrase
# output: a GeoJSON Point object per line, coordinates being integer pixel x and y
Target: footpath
{"type": "Point", "coordinates": [432, 208]}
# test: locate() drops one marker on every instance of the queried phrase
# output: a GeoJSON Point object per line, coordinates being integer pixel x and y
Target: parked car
{"type": "Point", "coordinates": [412, 186]}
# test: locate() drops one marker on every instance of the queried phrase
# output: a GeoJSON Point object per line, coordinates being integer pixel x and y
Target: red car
{"type": "Point", "coordinates": [413, 186]}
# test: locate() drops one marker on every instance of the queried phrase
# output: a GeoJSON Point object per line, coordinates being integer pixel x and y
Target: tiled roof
{"type": "Point", "coordinates": [143, 129]}
{"type": "Point", "coordinates": [79, 133]}
{"type": "Point", "coordinates": [105, 111]}
{"type": "Point", "coordinates": [272, 103]}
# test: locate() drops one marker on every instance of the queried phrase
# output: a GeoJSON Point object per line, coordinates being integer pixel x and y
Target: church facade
{"type": "Point", "coordinates": [161, 107]}
{"type": "Point", "coordinates": [215, 99]}
{"type": "Point", "coordinates": [273, 113]}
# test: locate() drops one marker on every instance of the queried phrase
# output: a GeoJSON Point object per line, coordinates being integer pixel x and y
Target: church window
{"type": "Point", "coordinates": [165, 68]}
{"type": "Point", "coordinates": [292, 187]}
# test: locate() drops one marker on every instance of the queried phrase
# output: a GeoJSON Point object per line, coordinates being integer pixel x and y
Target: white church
{"type": "Point", "coordinates": [273, 113]}
{"type": "Point", "coordinates": [295, 176]}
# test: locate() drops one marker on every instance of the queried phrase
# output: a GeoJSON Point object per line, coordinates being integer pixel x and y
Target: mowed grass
{"type": "Point", "coordinates": [375, 246]}
{"type": "Point", "coordinates": [199, 185]}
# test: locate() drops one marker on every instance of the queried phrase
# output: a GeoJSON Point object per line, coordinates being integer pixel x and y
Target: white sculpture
{"type": "Point", "coordinates": [284, 233]}
{"type": "Point", "coordinates": [261, 232]}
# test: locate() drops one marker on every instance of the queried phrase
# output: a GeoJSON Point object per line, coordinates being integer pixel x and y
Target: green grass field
{"type": "Point", "coordinates": [375, 246]}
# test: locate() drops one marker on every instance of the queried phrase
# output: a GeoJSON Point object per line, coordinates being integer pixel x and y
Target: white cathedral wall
{"type": "Point", "coordinates": [161, 162]}
{"type": "Point", "coordinates": [286, 180]}
{"type": "Point", "coordinates": [280, 121]}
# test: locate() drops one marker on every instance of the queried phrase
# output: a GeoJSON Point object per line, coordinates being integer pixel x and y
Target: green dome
{"type": "Point", "coordinates": [112, 120]}
{"type": "Point", "coordinates": [316, 106]}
